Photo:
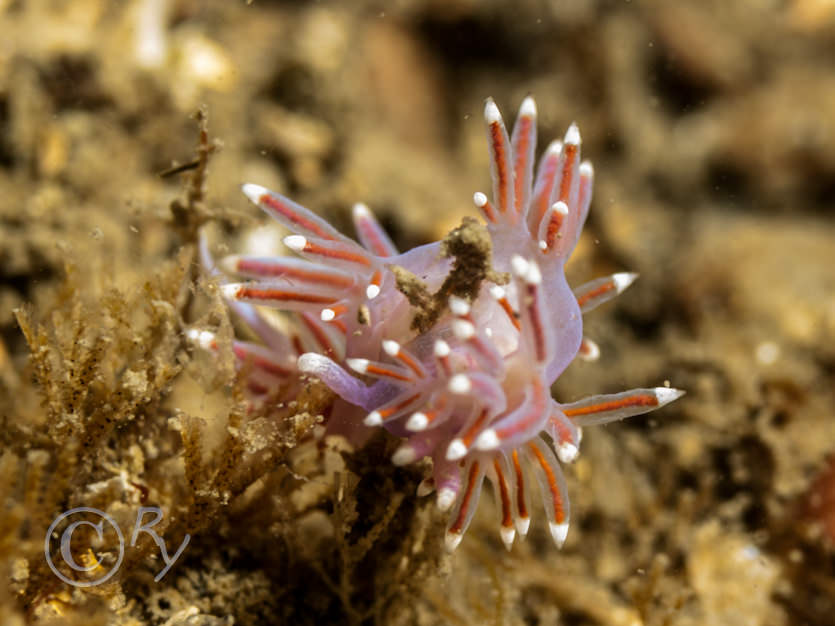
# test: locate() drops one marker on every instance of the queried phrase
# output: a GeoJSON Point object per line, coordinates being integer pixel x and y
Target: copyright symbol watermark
{"type": "Point", "coordinates": [66, 544]}
{"type": "Point", "coordinates": [87, 527]}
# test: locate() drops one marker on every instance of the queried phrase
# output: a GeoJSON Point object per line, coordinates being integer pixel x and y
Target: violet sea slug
{"type": "Point", "coordinates": [466, 383]}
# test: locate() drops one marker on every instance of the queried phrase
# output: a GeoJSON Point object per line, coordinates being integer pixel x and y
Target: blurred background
{"type": "Point", "coordinates": [711, 126]}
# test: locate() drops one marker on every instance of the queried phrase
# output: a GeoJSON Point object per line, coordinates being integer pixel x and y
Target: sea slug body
{"type": "Point", "coordinates": [469, 384]}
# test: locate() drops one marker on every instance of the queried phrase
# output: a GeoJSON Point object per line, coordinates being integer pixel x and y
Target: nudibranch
{"type": "Point", "coordinates": [467, 383]}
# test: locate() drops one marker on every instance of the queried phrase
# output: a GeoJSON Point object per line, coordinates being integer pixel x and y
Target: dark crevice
{"type": "Point", "coordinates": [726, 182]}
{"type": "Point", "coordinates": [678, 92]}
{"type": "Point", "coordinates": [470, 43]}
{"type": "Point", "coordinates": [747, 468]}
{"type": "Point", "coordinates": [646, 328]}
{"type": "Point", "coordinates": [6, 152]}
{"type": "Point", "coordinates": [294, 88]}
{"type": "Point", "coordinates": [71, 82]}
